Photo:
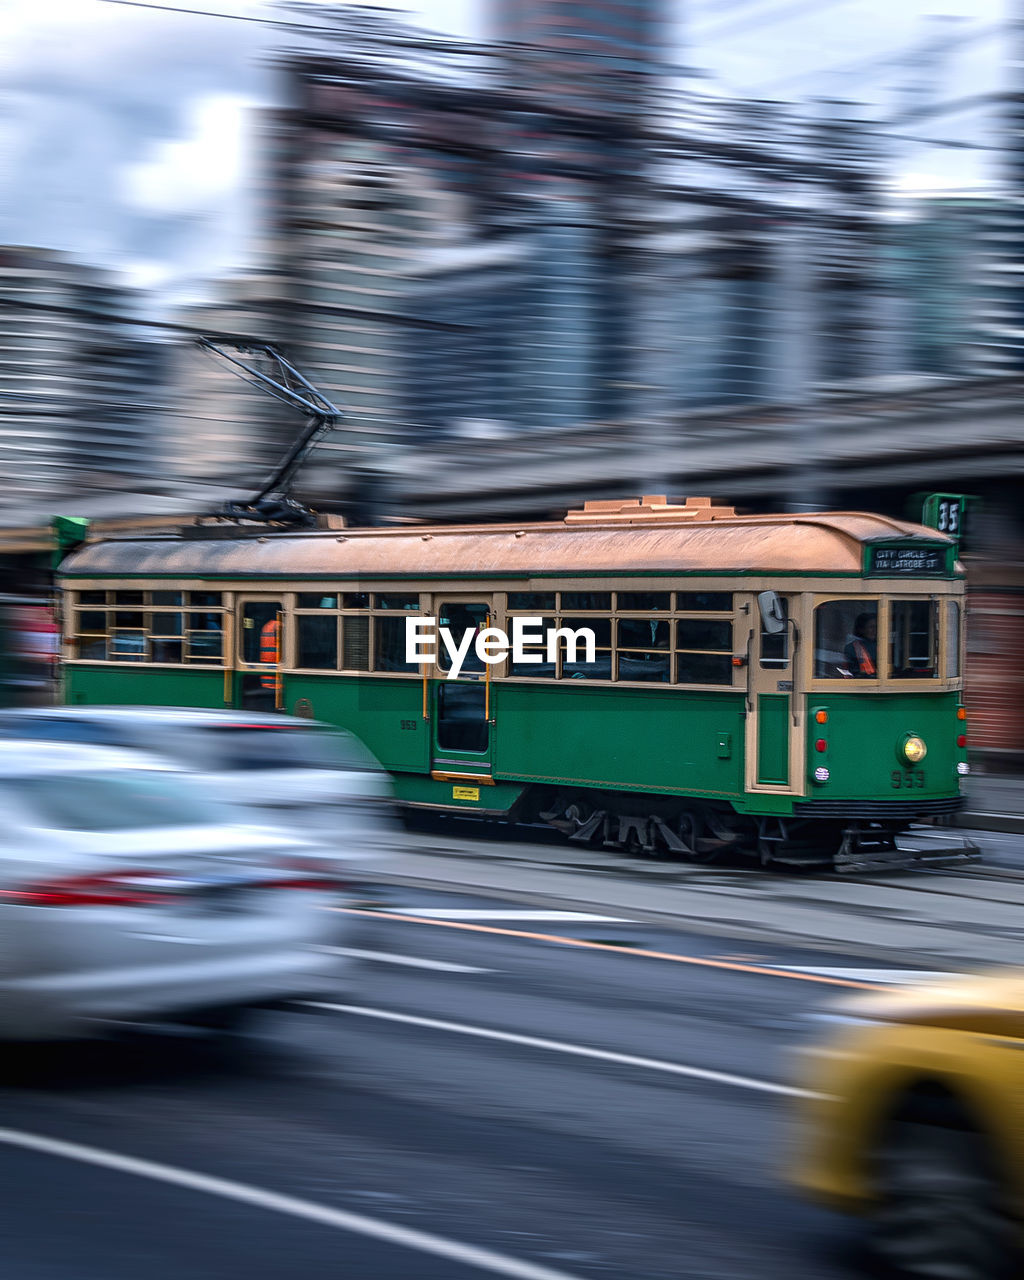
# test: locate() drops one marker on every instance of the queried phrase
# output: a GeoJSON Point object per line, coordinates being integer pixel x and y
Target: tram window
{"type": "Point", "coordinates": [204, 599]}
{"type": "Point", "coordinates": [844, 647]}
{"type": "Point", "coordinates": [646, 601]}
{"type": "Point", "coordinates": [129, 597]}
{"type": "Point", "coordinates": [461, 717]}
{"type": "Point", "coordinates": [540, 668]}
{"type": "Point", "coordinates": [389, 646]}
{"type": "Point", "coordinates": [704, 601]}
{"type": "Point", "coordinates": [91, 637]}
{"type": "Point", "coordinates": [92, 597]}
{"type": "Point", "coordinates": [397, 602]}
{"type": "Point", "coordinates": [165, 650]}
{"type": "Point", "coordinates": [355, 600]}
{"type": "Point", "coordinates": [167, 597]}
{"type": "Point", "coordinates": [209, 622]}
{"type": "Point", "coordinates": [541, 600]}
{"type": "Point", "coordinates": [642, 633]}
{"type": "Point", "coordinates": [703, 651]}
{"type": "Point", "coordinates": [166, 624]}
{"type": "Point", "coordinates": [597, 601]}
{"type": "Point", "coordinates": [317, 641]}
{"type": "Point", "coordinates": [90, 644]}
{"type": "Point", "coordinates": [460, 618]}
{"type": "Point", "coordinates": [575, 665]}
{"type": "Point", "coordinates": [704, 633]}
{"type": "Point", "coordinates": [952, 639]}
{"type": "Point", "coordinates": [913, 639]}
{"type": "Point", "coordinates": [314, 600]}
{"type": "Point", "coordinates": [703, 668]}
{"type": "Point", "coordinates": [133, 620]}
{"type": "Point", "coordinates": [128, 646]}
{"type": "Point", "coordinates": [92, 623]}
{"type": "Point", "coordinates": [204, 641]}
{"type": "Point", "coordinates": [643, 645]}
{"type": "Point", "coordinates": [775, 645]}
{"type": "Point", "coordinates": [204, 646]}
{"type": "Point", "coordinates": [355, 643]}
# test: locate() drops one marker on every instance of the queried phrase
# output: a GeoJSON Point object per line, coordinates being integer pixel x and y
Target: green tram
{"type": "Point", "coordinates": [784, 686]}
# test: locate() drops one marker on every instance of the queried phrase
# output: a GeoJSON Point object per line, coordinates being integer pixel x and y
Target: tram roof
{"type": "Point", "coordinates": [592, 542]}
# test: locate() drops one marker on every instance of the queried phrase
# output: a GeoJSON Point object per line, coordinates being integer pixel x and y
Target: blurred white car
{"type": "Point", "coordinates": [127, 896]}
{"type": "Point", "coordinates": [301, 774]}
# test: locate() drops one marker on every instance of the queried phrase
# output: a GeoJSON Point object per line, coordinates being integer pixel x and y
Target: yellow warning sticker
{"type": "Point", "coordinates": [465, 793]}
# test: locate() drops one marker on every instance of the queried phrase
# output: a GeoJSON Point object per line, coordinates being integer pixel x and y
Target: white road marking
{"type": "Point", "coordinates": [467, 913]}
{"type": "Point", "coordinates": [259, 1198]}
{"type": "Point", "coordinates": [577, 1050]}
{"type": "Point", "coordinates": [898, 977]}
{"type": "Point", "coordinates": [414, 962]}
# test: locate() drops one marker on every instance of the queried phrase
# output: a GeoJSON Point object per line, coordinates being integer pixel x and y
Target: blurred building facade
{"type": "Point", "coordinates": [224, 433]}
{"type": "Point", "coordinates": [470, 251]}
{"type": "Point", "coordinates": [593, 51]}
{"type": "Point", "coordinates": [80, 381]}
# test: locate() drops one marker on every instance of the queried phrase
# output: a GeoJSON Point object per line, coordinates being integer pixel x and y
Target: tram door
{"type": "Point", "coordinates": [461, 705]}
{"type": "Point", "coordinates": [259, 637]}
{"type": "Point", "coordinates": [770, 696]}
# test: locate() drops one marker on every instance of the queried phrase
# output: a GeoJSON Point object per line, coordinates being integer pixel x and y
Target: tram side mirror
{"type": "Point", "coordinates": [773, 614]}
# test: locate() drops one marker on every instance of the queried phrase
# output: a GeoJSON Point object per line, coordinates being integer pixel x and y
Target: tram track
{"type": "Point", "coordinates": [520, 846]}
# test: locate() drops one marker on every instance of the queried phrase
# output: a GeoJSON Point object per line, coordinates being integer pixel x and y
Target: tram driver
{"type": "Point", "coordinates": [862, 647]}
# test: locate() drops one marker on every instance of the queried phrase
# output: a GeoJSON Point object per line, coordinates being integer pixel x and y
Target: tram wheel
{"type": "Point", "coordinates": [691, 827]}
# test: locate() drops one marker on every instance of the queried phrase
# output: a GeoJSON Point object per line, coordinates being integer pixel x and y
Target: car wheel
{"type": "Point", "coordinates": [941, 1212]}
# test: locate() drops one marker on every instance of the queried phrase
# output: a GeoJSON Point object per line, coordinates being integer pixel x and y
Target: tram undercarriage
{"type": "Point", "coordinates": [699, 831]}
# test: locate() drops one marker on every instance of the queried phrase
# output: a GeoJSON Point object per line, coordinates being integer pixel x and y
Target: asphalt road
{"type": "Point", "coordinates": [309, 1148]}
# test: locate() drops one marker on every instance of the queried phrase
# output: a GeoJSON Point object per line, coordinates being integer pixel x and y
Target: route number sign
{"type": "Point", "coordinates": [945, 512]}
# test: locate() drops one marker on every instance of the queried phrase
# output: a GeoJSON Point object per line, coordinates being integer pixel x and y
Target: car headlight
{"type": "Point", "coordinates": [913, 749]}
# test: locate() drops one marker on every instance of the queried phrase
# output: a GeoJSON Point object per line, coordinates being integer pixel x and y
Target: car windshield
{"type": "Point", "coordinates": [127, 800]}
{"type": "Point", "coordinates": [273, 747]}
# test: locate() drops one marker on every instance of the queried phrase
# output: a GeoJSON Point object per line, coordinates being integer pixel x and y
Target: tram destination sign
{"type": "Point", "coordinates": [907, 560]}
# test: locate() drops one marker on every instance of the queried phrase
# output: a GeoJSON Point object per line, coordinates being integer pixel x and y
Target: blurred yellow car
{"type": "Point", "coordinates": [916, 1122]}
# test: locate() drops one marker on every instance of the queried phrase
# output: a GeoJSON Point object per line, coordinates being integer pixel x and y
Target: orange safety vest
{"type": "Point", "coordinates": [270, 651]}
{"type": "Point", "coordinates": [864, 663]}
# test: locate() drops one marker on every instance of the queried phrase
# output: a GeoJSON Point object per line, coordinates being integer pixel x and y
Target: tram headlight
{"type": "Point", "coordinates": [913, 749]}
{"type": "Point", "coordinates": [821, 774]}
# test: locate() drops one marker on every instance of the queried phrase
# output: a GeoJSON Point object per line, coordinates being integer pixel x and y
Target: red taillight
{"type": "Point", "coordinates": [305, 873]}
{"type": "Point", "coordinates": [821, 745]}
{"type": "Point", "coordinates": [961, 740]}
{"type": "Point", "coordinates": [321, 884]}
{"type": "Point", "coordinates": [127, 888]}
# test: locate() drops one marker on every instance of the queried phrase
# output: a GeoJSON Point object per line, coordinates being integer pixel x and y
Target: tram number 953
{"type": "Point", "coordinates": [907, 778]}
